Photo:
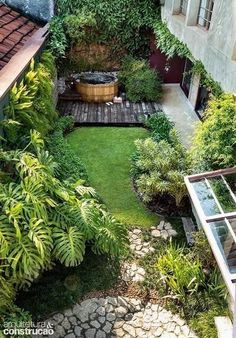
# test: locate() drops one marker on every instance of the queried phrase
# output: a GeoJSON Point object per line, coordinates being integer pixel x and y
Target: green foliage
{"type": "Point", "coordinates": [160, 163]}
{"type": "Point", "coordinates": [111, 18]}
{"type": "Point", "coordinates": [160, 126]}
{"type": "Point", "coordinates": [69, 245]}
{"type": "Point", "coordinates": [80, 26]}
{"type": "Point", "coordinates": [58, 41]}
{"type": "Point", "coordinates": [161, 170]}
{"type": "Point", "coordinates": [140, 81]}
{"type": "Point", "coordinates": [182, 276]}
{"type": "Point", "coordinates": [69, 164]}
{"type": "Point", "coordinates": [204, 322]}
{"type": "Point", "coordinates": [188, 288]}
{"type": "Point", "coordinates": [7, 292]}
{"type": "Point", "coordinates": [214, 141]}
{"type": "Point", "coordinates": [44, 219]}
{"type": "Point", "coordinates": [168, 43]}
{"type": "Point", "coordinates": [16, 317]}
{"type": "Point", "coordinates": [206, 79]}
{"type": "Point", "coordinates": [31, 103]}
{"type": "Point", "coordinates": [202, 251]}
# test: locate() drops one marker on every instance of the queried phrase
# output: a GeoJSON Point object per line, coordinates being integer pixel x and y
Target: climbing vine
{"type": "Point", "coordinates": [206, 79]}
{"type": "Point", "coordinates": [172, 46]}
{"type": "Point", "coordinates": [122, 24]}
{"type": "Point", "coordinates": [168, 43]}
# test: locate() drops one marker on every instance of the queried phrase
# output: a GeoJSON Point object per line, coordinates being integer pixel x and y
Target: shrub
{"type": "Point", "coordinates": [214, 143]}
{"type": "Point", "coordinates": [58, 41]}
{"type": "Point", "coordinates": [199, 296]}
{"type": "Point", "coordinates": [202, 251]}
{"type": "Point", "coordinates": [161, 169]}
{"type": "Point", "coordinates": [160, 126]}
{"type": "Point", "coordinates": [69, 164]}
{"type": "Point", "coordinates": [140, 82]}
{"type": "Point", "coordinates": [130, 66]}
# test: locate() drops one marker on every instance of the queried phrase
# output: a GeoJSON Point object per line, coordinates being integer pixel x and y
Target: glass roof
{"type": "Point", "coordinates": [213, 196]}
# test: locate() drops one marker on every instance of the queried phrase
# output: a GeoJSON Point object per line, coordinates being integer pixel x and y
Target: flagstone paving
{"type": "Point", "coordinates": [140, 247]}
{"type": "Point", "coordinates": [122, 317]}
{"type": "Point", "coordinates": [118, 317]}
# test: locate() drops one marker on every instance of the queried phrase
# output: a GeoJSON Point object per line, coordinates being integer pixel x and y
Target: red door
{"type": "Point", "coordinates": [171, 70]}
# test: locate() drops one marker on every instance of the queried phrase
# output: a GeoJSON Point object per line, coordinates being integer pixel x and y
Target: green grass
{"type": "Point", "coordinates": [106, 153]}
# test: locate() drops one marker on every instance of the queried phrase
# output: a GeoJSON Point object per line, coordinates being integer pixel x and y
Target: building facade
{"type": "Point", "coordinates": [208, 28]}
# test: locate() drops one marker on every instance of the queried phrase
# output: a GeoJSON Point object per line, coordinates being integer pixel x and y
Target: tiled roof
{"type": "Point", "coordinates": [15, 30]}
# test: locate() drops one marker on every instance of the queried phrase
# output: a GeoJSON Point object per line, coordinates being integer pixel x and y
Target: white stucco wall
{"type": "Point", "coordinates": [216, 48]}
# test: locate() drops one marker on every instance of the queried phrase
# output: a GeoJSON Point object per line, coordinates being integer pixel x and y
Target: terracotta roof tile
{"type": "Point", "coordinates": [15, 30]}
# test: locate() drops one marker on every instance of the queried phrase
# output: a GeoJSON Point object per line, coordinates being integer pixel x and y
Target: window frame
{"type": "Point", "coordinates": [206, 221]}
{"type": "Point", "coordinates": [183, 7]}
{"type": "Point", "coordinates": [207, 17]}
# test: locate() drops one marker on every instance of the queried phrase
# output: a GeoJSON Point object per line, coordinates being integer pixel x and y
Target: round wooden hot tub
{"type": "Point", "coordinates": [97, 87]}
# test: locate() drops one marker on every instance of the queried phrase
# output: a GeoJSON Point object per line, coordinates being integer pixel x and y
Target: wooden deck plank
{"type": "Point", "coordinates": [126, 113]}
{"type": "Point", "coordinates": [111, 113]}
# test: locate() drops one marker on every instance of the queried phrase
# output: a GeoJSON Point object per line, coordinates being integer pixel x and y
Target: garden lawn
{"type": "Point", "coordinates": [106, 153]}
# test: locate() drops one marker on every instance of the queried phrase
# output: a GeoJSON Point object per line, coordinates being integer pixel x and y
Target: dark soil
{"type": "Point", "coordinates": [165, 205]}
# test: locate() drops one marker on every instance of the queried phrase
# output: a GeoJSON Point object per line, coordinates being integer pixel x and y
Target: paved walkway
{"type": "Point", "coordinates": [118, 317]}
{"type": "Point", "coordinates": [176, 106]}
{"type": "Point", "coordinates": [123, 317]}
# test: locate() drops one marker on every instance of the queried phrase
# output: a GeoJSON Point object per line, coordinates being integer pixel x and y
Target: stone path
{"type": "Point", "coordinates": [118, 317]}
{"type": "Point", "coordinates": [132, 273]}
{"type": "Point", "coordinates": [137, 245]}
{"type": "Point", "coordinates": [140, 247]}
{"type": "Point", "coordinates": [122, 317]}
{"type": "Point", "coordinates": [164, 230]}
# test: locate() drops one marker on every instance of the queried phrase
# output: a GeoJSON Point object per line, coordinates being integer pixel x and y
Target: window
{"type": "Point", "coordinates": [183, 6]}
{"type": "Point", "coordinates": [213, 196]}
{"type": "Point", "coordinates": [205, 13]}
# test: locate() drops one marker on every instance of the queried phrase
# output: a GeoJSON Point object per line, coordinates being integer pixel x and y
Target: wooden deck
{"type": "Point", "coordinates": [123, 114]}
